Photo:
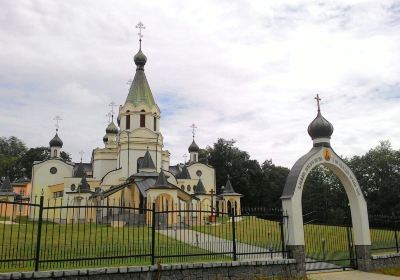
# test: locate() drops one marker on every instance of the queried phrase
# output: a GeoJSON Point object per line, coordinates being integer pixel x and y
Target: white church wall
{"type": "Point", "coordinates": [102, 166]}
{"type": "Point", "coordinates": [42, 177]}
{"type": "Point", "coordinates": [112, 179]}
{"type": "Point", "coordinates": [207, 175]}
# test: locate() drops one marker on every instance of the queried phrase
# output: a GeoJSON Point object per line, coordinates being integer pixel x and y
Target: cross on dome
{"type": "Point", "coordinates": [57, 119]}
{"type": "Point", "coordinates": [318, 100]}
{"type": "Point", "coordinates": [194, 127]}
{"type": "Point", "coordinates": [81, 153]}
{"type": "Point", "coordinates": [140, 26]}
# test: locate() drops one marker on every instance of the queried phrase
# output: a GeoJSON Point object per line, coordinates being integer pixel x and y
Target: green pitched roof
{"type": "Point", "coordinates": [140, 91]}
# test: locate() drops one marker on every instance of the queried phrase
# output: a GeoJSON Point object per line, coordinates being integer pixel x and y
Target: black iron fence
{"type": "Point", "coordinates": [58, 233]}
{"type": "Point", "coordinates": [328, 242]}
{"type": "Point", "coordinates": [385, 232]}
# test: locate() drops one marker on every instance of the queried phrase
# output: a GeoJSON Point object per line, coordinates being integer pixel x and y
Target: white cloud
{"type": "Point", "coordinates": [242, 70]}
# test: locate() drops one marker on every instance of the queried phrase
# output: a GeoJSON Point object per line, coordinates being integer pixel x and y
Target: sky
{"type": "Point", "coordinates": [242, 70]}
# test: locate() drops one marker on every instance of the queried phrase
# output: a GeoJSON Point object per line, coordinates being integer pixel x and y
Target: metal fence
{"type": "Point", "coordinates": [385, 233]}
{"type": "Point", "coordinates": [328, 242]}
{"type": "Point", "coordinates": [60, 234]}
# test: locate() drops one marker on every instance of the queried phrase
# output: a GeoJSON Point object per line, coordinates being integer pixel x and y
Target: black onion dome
{"type": "Point", "coordinates": [193, 147]}
{"type": "Point", "coordinates": [140, 59]}
{"type": "Point", "coordinates": [56, 141]}
{"type": "Point", "coordinates": [112, 128]}
{"type": "Point", "coordinates": [320, 127]}
{"type": "Point", "coordinates": [105, 138]}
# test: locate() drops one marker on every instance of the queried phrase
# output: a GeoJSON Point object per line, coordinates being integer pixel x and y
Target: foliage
{"type": "Point", "coordinates": [259, 184]}
{"type": "Point", "coordinates": [378, 172]}
{"type": "Point", "coordinates": [17, 161]}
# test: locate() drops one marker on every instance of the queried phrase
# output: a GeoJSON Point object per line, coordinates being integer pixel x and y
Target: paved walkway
{"type": "Point", "coordinates": [350, 275]}
{"type": "Point", "coordinates": [219, 245]}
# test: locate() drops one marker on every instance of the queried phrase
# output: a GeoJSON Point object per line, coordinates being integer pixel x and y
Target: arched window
{"type": "Point", "coordinates": [55, 153]}
{"type": "Point", "coordinates": [155, 123]}
{"type": "Point", "coordinates": [142, 119]}
{"type": "Point", "coordinates": [128, 120]}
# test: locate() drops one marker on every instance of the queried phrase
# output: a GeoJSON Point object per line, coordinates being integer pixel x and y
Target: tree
{"type": "Point", "coordinates": [10, 150]}
{"type": "Point", "coordinates": [11, 147]}
{"type": "Point", "coordinates": [17, 161]}
{"type": "Point", "coordinates": [261, 186]}
{"type": "Point", "coordinates": [378, 172]}
{"type": "Point", "coordinates": [37, 154]}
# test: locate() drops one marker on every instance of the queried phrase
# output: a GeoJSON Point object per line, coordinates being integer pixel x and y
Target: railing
{"type": "Point", "coordinates": [385, 233]}
{"type": "Point", "coordinates": [75, 233]}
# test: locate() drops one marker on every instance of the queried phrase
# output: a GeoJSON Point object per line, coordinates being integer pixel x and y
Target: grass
{"type": "Point", "coordinates": [97, 245]}
{"type": "Point", "coordinates": [102, 245]}
{"type": "Point", "coordinates": [249, 230]}
{"type": "Point", "coordinates": [395, 271]}
{"type": "Point", "coordinates": [322, 242]}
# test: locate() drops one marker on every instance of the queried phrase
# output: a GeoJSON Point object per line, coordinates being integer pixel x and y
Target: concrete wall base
{"type": "Point", "coordinates": [285, 268]}
{"type": "Point", "coordinates": [384, 261]}
{"type": "Point", "coordinates": [363, 257]}
{"type": "Point", "coordinates": [297, 252]}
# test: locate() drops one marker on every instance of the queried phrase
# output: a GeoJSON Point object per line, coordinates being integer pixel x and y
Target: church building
{"type": "Point", "coordinates": [133, 167]}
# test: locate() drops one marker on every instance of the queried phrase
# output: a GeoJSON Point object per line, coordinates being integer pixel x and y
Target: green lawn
{"type": "Point", "coordinates": [97, 245]}
{"type": "Point", "coordinates": [322, 242]}
{"type": "Point", "coordinates": [249, 230]}
{"type": "Point", "coordinates": [395, 271]}
{"type": "Point", "coordinates": [102, 245]}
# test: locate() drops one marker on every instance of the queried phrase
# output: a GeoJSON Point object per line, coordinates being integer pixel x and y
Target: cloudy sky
{"type": "Point", "coordinates": [243, 70]}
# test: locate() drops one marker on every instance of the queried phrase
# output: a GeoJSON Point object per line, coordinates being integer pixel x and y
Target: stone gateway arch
{"type": "Point", "coordinates": [322, 153]}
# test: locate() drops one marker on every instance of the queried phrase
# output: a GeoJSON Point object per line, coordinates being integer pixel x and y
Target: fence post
{"type": "Point", "coordinates": [281, 222]}
{"type": "Point", "coordinates": [350, 246]}
{"type": "Point", "coordinates": [153, 233]}
{"type": "Point", "coordinates": [396, 227]}
{"type": "Point", "coordinates": [39, 233]}
{"type": "Point", "coordinates": [233, 234]}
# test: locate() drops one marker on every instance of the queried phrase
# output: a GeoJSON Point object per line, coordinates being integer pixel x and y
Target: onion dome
{"type": "Point", "coordinates": [112, 128]}
{"type": "Point", "coordinates": [320, 127]}
{"type": "Point", "coordinates": [140, 59]}
{"type": "Point", "coordinates": [193, 147]}
{"type": "Point", "coordinates": [105, 138]}
{"type": "Point", "coordinates": [56, 141]}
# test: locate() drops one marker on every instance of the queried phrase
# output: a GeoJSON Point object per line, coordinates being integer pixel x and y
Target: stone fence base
{"type": "Point", "coordinates": [218, 270]}
{"type": "Point", "coordinates": [383, 261]}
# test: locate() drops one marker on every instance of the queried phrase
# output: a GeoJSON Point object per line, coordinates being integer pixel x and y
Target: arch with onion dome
{"type": "Point", "coordinates": [322, 153]}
